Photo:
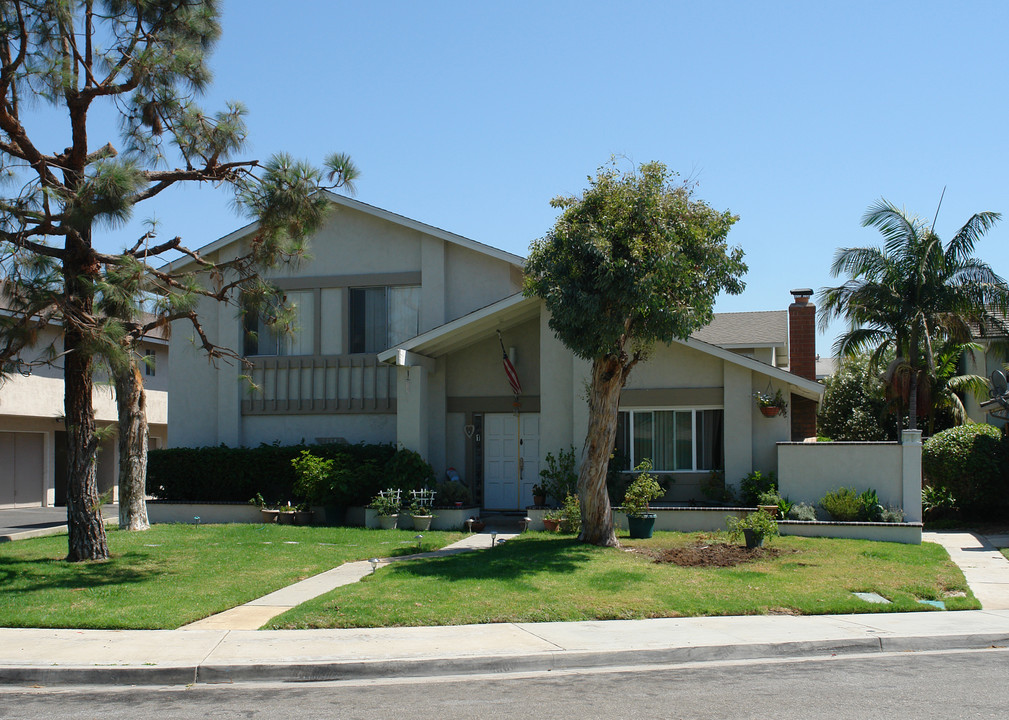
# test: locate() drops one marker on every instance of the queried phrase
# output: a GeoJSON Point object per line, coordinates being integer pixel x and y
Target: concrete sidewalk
{"type": "Point", "coordinates": [163, 657]}
{"type": "Point", "coordinates": [219, 650]}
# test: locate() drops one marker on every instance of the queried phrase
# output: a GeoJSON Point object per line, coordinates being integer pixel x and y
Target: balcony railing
{"type": "Point", "coordinates": [326, 384]}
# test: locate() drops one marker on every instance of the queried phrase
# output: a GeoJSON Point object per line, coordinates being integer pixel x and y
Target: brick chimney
{"type": "Point", "coordinates": [802, 360]}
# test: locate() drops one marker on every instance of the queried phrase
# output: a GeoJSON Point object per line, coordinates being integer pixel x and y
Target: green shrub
{"type": "Point", "coordinates": [571, 522]}
{"type": "Point", "coordinates": [853, 405]}
{"type": "Point", "coordinates": [756, 483]}
{"type": "Point", "coordinates": [223, 474]}
{"type": "Point", "coordinates": [312, 478]}
{"type": "Point", "coordinates": [969, 464]}
{"type": "Point", "coordinates": [843, 505]}
{"type": "Point", "coordinates": [407, 470]}
{"type": "Point", "coordinates": [847, 505]}
{"type": "Point", "coordinates": [760, 522]}
{"type": "Point", "coordinates": [643, 489]}
{"type": "Point", "coordinates": [802, 511]}
{"type": "Point", "coordinates": [938, 503]}
{"type": "Point", "coordinates": [559, 476]}
{"type": "Point", "coordinates": [385, 505]}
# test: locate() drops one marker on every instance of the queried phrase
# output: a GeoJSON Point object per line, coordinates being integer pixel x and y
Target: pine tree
{"type": "Point", "coordinates": [148, 60]}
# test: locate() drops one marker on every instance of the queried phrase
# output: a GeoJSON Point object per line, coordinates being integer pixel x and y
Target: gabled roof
{"type": "Point", "coordinates": [746, 329]}
{"type": "Point", "coordinates": [377, 212]}
{"type": "Point", "coordinates": [516, 308]}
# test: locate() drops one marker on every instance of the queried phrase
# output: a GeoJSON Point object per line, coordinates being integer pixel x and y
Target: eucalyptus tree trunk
{"type": "Point", "coordinates": [131, 401]}
{"type": "Point", "coordinates": [87, 539]}
{"type": "Point", "coordinates": [608, 376]}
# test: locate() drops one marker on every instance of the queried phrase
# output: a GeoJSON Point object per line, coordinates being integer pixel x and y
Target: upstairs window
{"type": "Point", "coordinates": [380, 317]}
{"type": "Point", "coordinates": [150, 363]}
{"type": "Point", "coordinates": [262, 338]}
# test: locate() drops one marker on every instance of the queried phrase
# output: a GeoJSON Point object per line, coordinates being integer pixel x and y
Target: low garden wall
{"type": "Point", "coordinates": [808, 471]}
{"type": "Point", "coordinates": [905, 532]}
{"type": "Point", "coordinates": [186, 512]}
{"type": "Point", "coordinates": [444, 518]}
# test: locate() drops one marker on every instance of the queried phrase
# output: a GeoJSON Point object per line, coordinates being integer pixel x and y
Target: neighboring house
{"type": "Point", "coordinates": [32, 434]}
{"type": "Point", "coordinates": [994, 355]}
{"type": "Point", "coordinates": [401, 327]}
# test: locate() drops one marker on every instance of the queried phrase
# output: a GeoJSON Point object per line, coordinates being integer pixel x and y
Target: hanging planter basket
{"type": "Point", "coordinates": [770, 411]}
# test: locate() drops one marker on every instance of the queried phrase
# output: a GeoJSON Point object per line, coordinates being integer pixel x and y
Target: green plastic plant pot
{"type": "Point", "coordinates": [641, 526]}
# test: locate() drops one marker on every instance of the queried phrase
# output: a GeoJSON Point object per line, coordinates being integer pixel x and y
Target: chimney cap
{"type": "Point", "coordinates": [802, 292]}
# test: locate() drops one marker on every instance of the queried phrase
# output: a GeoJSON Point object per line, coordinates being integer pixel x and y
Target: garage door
{"type": "Point", "coordinates": [21, 468]}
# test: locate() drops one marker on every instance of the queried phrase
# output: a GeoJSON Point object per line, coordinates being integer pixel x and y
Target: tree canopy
{"type": "Point", "coordinates": [146, 61]}
{"type": "Point", "coordinates": [911, 296]}
{"type": "Point", "coordinates": [633, 261]}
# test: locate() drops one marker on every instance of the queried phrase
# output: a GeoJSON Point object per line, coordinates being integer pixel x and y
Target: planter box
{"type": "Point", "coordinates": [209, 513]}
{"type": "Point", "coordinates": [444, 518]}
{"type": "Point", "coordinates": [909, 533]}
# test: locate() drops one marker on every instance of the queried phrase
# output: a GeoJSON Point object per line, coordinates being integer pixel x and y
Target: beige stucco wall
{"type": "Point", "coordinates": [477, 370]}
{"type": "Point", "coordinates": [351, 246]}
{"type": "Point", "coordinates": [808, 471]}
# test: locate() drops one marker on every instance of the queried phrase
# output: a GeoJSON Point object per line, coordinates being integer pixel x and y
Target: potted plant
{"type": "Point", "coordinates": [539, 495]}
{"type": "Point", "coordinates": [772, 405]}
{"type": "Point", "coordinates": [422, 516]}
{"type": "Point", "coordinates": [552, 519]}
{"type": "Point", "coordinates": [268, 514]}
{"type": "Point", "coordinates": [303, 514]}
{"type": "Point", "coordinates": [387, 508]}
{"type": "Point", "coordinates": [753, 528]}
{"type": "Point", "coordinates": [639, 493]}
{"type": "Point", "coordinates": [286, 516]}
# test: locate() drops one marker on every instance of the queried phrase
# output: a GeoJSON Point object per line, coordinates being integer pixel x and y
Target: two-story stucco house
{"type": "Point", "coordinates": [401, 331]}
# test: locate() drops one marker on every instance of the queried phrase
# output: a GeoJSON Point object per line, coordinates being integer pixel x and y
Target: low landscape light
{"type": "Point", "coordinates": [374, 564]}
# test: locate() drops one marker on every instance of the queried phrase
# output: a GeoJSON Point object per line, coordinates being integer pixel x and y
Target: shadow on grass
{"type": "Point", "coordinates": [41, 574]}
{"type": "Point", "coordinates": [507, 561]}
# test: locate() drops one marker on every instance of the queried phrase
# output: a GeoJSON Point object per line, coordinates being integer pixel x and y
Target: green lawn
{"type": "Point", "coordinates": [540, 577]}
{"type": "Point", "coordinates": [174, 574]}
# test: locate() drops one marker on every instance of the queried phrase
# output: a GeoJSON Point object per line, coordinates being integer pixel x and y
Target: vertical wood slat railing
{"type": "Point", "coordinates": [320, 384]}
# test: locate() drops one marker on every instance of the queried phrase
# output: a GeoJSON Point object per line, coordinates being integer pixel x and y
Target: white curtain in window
{"type": "Point", "coordinates": [332, 321]}
{"type": "Point", "coordinates": [404, 313]}
{"type": "Point", "coordinates": [299, 342]}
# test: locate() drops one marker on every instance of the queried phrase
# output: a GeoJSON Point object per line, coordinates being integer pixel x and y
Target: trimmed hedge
{"type": "Point", "coordinates": [970, 463]}
{"type": "Point", "coordinates": [224, 474]}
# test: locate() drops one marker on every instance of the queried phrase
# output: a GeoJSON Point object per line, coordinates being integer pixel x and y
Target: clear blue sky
{"type": "Point", "coordinates": [471, 115]}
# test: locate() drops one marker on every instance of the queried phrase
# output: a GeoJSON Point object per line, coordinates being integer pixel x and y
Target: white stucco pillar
{"type": "Point", "coordinates": [412, 399]}
{"type": "Point", "coordinates": [737, 403]}
{"type": "Point", "coordinates": [910, 448]}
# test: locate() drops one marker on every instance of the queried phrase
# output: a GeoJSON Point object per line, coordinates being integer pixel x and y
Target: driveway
{"type": "Point", "coordinates": [16, 523]}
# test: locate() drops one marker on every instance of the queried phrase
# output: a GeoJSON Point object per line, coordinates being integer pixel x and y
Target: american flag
{"type": "Point", "coordinates": [513, 376]}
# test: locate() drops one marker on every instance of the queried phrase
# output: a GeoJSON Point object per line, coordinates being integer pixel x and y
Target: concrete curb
{"type": "Point", "coordinates": [212, 673]}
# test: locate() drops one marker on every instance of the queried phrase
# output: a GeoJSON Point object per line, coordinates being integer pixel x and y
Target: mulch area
{"type": "Point", "coordinates": [709, 554]}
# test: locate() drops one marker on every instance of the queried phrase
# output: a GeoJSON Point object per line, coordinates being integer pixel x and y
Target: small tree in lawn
{"type": "Point", "coordinates": [144, 60]}
{"type": "Point", "coordinates": [634, 261]}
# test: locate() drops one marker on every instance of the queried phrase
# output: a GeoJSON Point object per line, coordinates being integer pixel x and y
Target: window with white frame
{"type": "Point", "coordinates": [262, 338]}
{"type": "Point", "coordinates": [684, 440]}
{"type": "Point", "coordinates": [380, 317]}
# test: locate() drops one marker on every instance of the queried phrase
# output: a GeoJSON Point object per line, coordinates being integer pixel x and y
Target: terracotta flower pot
{"type": "Point", "coordinates": [551, 525]}
{"type": "Point", "coordinates": [770, 410]}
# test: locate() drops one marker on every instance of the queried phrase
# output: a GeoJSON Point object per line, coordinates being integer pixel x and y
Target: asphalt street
{"type": "Point", "coordinates": [923, 685]}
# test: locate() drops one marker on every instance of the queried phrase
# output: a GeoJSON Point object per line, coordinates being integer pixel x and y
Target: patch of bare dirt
{"type": "Point", "coordinates": [709, 554]}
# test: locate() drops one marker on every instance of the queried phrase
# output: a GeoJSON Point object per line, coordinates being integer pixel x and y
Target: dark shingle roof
{"type": "Point", "coordinates": [746, 329]}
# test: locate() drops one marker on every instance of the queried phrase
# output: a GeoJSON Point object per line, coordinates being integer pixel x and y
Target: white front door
{"type": "Point", "coordinates": [511, 447]}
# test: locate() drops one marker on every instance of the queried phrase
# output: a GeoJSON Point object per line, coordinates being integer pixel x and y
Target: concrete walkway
{"type": "Point", "coordinates": [984, 567]}
{"type": "Point", "coordinates": [255, 614]}
{"type": "Point", "coordinates": [28, 522]}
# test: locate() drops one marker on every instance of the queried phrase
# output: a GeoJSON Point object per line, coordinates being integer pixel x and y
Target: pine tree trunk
{"type": "Point", "coordinates": [84, 513]}
{"type": "Point", "coordinates": [608, 376]}
{"type": "Point", "coordinates": [131, 401]}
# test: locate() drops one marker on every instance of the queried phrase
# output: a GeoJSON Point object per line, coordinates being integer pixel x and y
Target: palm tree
{"type": "Point", "coordinates": [913, 293]}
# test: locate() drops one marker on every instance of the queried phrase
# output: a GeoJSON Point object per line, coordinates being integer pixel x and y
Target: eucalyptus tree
{"type": "Point", "coordinates": [632, 262]}
{"type": "Point", "coordinates": [912, 294]}
{"type": "Point", "coordinates": [64, 61]}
